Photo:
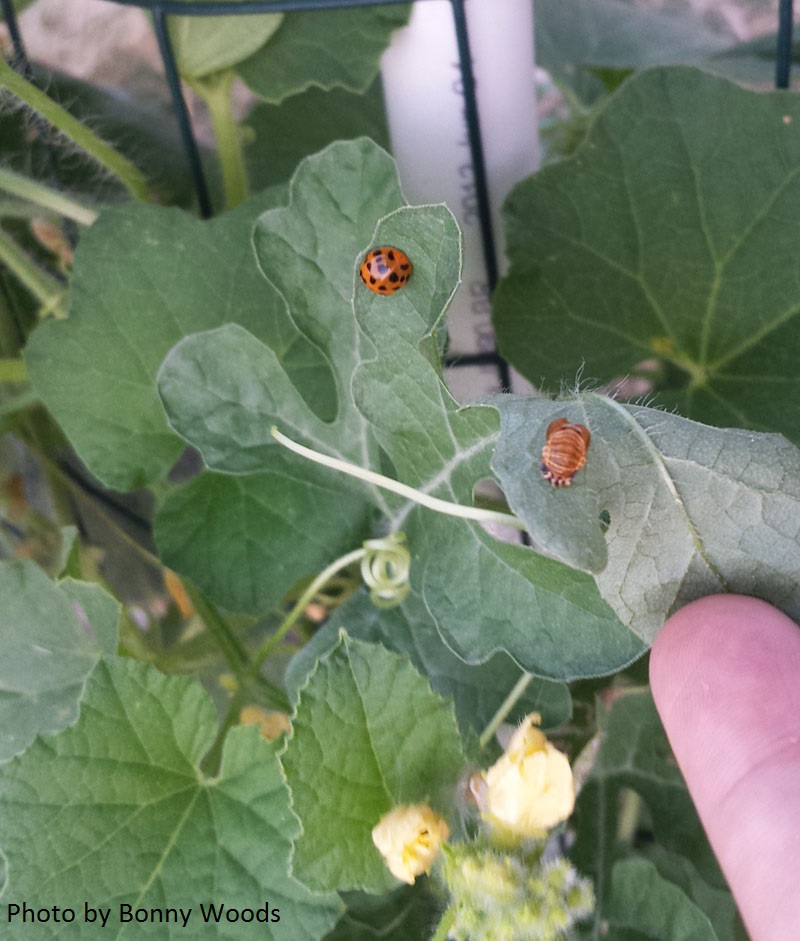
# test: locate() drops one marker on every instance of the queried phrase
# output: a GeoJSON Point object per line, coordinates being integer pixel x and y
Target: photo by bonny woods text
{"type": "Point", "coordinates": [22, 913]}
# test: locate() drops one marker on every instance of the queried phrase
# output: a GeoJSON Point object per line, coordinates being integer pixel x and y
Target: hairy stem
{"type": "Point", "coordinates": [105, 155]}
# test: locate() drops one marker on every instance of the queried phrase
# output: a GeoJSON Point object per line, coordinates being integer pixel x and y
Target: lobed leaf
{"type": "Point", "coordinates": [667, 243]}
{"type": "Point", "coordinates": [391, 410]}
{"type": "Point", "coordinates": [143, 278]}
{"type": "Point", "coordinates": [323, 48]}
{"type": "Point", "coordinates": [51, 637]}
{"type": "Point", "coordinates": [116, 811]}
{"type": "Point", "coordinates": [368, 733]}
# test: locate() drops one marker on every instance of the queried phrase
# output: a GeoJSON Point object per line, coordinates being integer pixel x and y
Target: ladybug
{"type": "Point", "coordinates": [564, 451]}
{"type": "Point", "coordinates": [385, 269]}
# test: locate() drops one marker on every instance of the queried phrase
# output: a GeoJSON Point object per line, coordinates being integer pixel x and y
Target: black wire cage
{"type": "Point", "coordinates": [161, 10]}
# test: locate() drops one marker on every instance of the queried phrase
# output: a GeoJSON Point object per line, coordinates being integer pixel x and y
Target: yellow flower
{"type": "Point", "coordinates": [530, 788]}
{"type": "Point", "coordinates": [409, 838]}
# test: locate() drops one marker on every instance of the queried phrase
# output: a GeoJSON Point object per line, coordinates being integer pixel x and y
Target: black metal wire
{"type": "Point", "coordinates": [478, 166]}
{"type": "Point", "coordinates": [181, 112]}
{"type": "Point", "coordinates": [236, 8]}
{"type": "Point", "coordinates": [21, 62]}
{"type": "Point", "coordinates": [783, 59]}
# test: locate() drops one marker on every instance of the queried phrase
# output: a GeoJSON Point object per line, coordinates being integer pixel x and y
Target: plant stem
{"type": "Point", "coordinates": [108, 158]}
{"type": "Point", "coordinates": [323, 578]}
{"type": "Point", "coordinates": [13, 370]}
{"type": "Point", "coordinates": [19, 403]}
{"type": "Point", "coordinates": [410, 493]}
{"type": "Point", "coordinates": [44, 196]}
{"type": "Point", "coordinates": [215, 90]}
{"type": "Point", "coordinates": [507, 705]}
{"type": "Point", "coordinates": [445, 925]}
{"type": "Point", "coordinates": [44, 287]}
{"type": "Point", "coordinates": [233, 651]}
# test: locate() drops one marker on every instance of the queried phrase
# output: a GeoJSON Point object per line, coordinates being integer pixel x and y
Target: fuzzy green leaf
{"type": "Point", "coordinates": [144, 277]}
{"type": "Point", "coordinates": [477, 691]}
{"type": "Point", "coordinates": [223, 390]}
{"type": "Point", "coordinates": [689, 510]}
{"type": "Point", "coordinates": [116, 811]}
{"type": "Point", "coordinates": [323, 48]}
{"type": "Point", "coordinates": [642, 900]}
{"type": "Point", "coordinates": [279, 136]}
{"type": "Point", "coordinates": [668, 237]}
{"type": "Point", "coordinates": [246, 540]}
{"type": "Point", "coordinates": [207, 44]}
{"type": "Point", "coordinates": [50, 641]}
{"type": "Point", "coordinates": [575, 37]}
{"type": "Point", "coordinates": [368, 734]}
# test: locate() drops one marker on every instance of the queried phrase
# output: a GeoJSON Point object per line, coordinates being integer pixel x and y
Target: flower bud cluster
{"type": "Point", "coordinates": [512, 896]}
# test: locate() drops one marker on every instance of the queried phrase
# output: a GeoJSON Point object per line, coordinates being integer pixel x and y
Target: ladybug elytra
{"type": "Point", "coordinates": [385, 269]}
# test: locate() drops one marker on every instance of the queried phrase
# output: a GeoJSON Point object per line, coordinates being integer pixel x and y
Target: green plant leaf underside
{"type": "Point", "coordinates": [687, 510]}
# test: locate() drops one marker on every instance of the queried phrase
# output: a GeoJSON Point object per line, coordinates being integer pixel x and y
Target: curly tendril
{"type": "Point", "coordinates": [385, 568]}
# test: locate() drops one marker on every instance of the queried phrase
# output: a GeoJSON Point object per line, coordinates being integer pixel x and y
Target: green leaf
{"type": "Point", "coordinates": [477, 691]}
{"type": "Point", "coordinates": [207, 44]}
{"type": "Point", "coordinates": [246, 540]}
{"type": "Point", "coordinates": [690, 510]}
{"type": "Point", "coordinates": [368, 734]}
{"type": "Point", "coordinates": [305, 123]}
{"type": "Point", "coordinates": [326, 48]}
{"type": "Point", "coordinates": [634, 755]}
{"type": "Point", "coordinates": [116, 811]}
{"type": "Point", "coordinates": [98, 612]}
{"type": "Point", "coordinates": [223, 390]}
{"type": "Point", "coordinates": [669, 237]}
{"type": "Point", "coordinates": [715, 900]}
{"type": "Point", "coordinates": [50, 639]}
{"type": "Point", "coordinates": [641, 899]}
{"type": "Point", "coordinates": [143, 278]}
{"type": "Point", "coordinates": [402, 915]}
{"type": "Point", "coordinates": [576, 36]}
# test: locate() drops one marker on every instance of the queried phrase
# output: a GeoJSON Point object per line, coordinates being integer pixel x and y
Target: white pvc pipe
{"type": "Point", "coordinates": [425, 108]}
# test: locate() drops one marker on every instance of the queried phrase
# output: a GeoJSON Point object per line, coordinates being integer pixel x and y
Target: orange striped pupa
{"type": "Point", "coordinates": [564, 451]}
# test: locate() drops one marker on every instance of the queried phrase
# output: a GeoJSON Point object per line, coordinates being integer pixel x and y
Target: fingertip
{"type": "Point", "coordinates": [725, 674]}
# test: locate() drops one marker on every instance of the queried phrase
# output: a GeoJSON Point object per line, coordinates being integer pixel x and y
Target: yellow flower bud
{"type": "Point", "coordinates": [530, 788]}
{"type": "Point", "coordinates": [409, 838]}
{"type": "Point", "coordinates": [271, 724]}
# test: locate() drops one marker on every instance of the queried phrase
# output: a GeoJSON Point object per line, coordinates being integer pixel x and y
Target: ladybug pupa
{"type": "Point", "coordinates": [385, 269]}
{"type": "Point", "coordinates": [564, 451]}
